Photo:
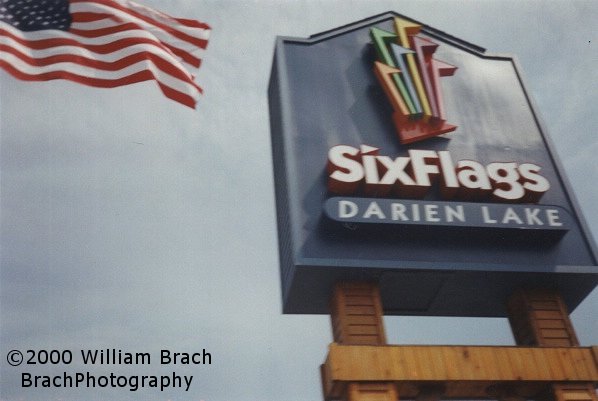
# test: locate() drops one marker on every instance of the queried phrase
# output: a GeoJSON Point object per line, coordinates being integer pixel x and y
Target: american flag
{"type": "Point", "coordinates": [101, 43]}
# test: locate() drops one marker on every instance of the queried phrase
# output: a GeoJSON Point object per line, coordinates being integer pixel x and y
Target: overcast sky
{"type": "Point", "coordinates": [129, 221]}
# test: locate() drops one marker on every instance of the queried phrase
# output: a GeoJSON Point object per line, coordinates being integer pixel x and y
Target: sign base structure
{"type": "Point", "coordinates": [546, 364]}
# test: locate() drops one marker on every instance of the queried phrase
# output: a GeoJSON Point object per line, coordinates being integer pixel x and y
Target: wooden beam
{"type": "Point", "coordinates": [465, 371]}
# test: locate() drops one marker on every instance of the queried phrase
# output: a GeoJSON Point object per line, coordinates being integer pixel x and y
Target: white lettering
{"type": "Point", "coordinates": [430, 213]}
{"type": "Point", "coordinates": [374, 209]}
{"type": "Point", "coordinates": [533, 182]}
{"type": "Point", "coordinates": [531, 215]}
{"type": "Point", "coordinates": [445, 213]}
{"type": "Point", "coordinates": [396, 170]}
{"type": "Point", "coordinates": [344, 170]}
{"type": "Point", "coordinates": [472, 175]}
{"type": "Point", "coordinates": [457, 213]}
{"type": "Point", "coordinates": [510, 215]}
{"type": "Point", "coordinates": [347, 209]}
{"type": "Point", "coordinates": [505, 177]}
{"type": "Point", "coordinates": [371, 169]}
{"type": "Point", "coordinates": [449, 176]}
{"type": "Point", "coordinates": [415, 212]}
{"type": "Point", "coordinates": [398, 212]}
{"type": "Point", "coordinates": [486, 216]}
{"type": "Point", "coordinates": [351, 170]}
{"type": "Point", "coordinates": [421, 169]}
{"type": "Point", "coordinates": [553, 218]}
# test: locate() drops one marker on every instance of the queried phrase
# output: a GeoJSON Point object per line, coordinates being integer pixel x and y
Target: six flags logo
{"type": "Point", "coordinates": [410, 77]}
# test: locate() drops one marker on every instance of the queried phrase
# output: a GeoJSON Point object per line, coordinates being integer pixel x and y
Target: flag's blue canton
{"type": "Point", "coordinates": [35, 15]}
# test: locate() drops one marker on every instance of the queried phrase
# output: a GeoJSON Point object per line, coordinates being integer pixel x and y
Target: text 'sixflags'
{"type": "Point", "coordinates": [101, 43]}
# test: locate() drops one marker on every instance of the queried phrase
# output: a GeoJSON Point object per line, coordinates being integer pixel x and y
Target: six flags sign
{"type": "Point", "coordinates": [369, 187]}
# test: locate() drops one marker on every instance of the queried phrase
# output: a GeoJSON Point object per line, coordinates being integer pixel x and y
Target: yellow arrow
{"type": "Point", "coordinates": [405, 29]}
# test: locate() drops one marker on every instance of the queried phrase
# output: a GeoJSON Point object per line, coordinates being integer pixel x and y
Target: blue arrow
{"type": "Point", "coordinates": [398, 52]}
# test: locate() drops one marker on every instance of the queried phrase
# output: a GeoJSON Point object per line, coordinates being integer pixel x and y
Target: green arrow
{"type": "Point", "coordinates": [381, 38]}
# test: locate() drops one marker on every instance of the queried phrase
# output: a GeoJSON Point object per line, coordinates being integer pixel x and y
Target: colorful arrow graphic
{"type": "Point", "coordinates": [410, 77]}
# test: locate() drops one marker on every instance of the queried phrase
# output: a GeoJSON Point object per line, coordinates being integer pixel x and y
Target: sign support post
{"type": "Point", "coordinates": [357, 319]}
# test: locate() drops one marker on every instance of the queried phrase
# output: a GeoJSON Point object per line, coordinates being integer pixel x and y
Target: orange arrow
{"type": "Point", "coordinates": [384, 74]}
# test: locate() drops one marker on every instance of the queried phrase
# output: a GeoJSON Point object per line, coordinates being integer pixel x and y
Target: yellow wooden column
{"type": "Point", "coordinates": [356, 314]}
{"type": "Point", "coordinates": [540, 318]}
{"type": "Point", "coordinates": [357, 319]}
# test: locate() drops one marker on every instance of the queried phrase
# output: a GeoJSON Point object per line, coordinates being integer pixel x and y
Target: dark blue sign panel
{"type": "Point", "coordinates": [408, 157]}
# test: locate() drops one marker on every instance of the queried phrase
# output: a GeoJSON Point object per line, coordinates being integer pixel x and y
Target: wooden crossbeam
{"type": "Point", "coordinates": [466, 371]}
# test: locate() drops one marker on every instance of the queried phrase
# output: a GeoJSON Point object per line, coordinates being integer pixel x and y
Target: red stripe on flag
{"type": "Point", "coordinates": [90, 17]}
{"type": "Point", "coordinates": [185, 56]}
{"type": "Point", "coordinates": [106, 48]}
{"type": "Point", "coordinates": [140, 76]}
{"type": "Point", "coordinates": [116, 65]}
{"type": "Point", "coordinates": [192, 23]}
{"type": "Point", "coordinates": [167, 28]}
